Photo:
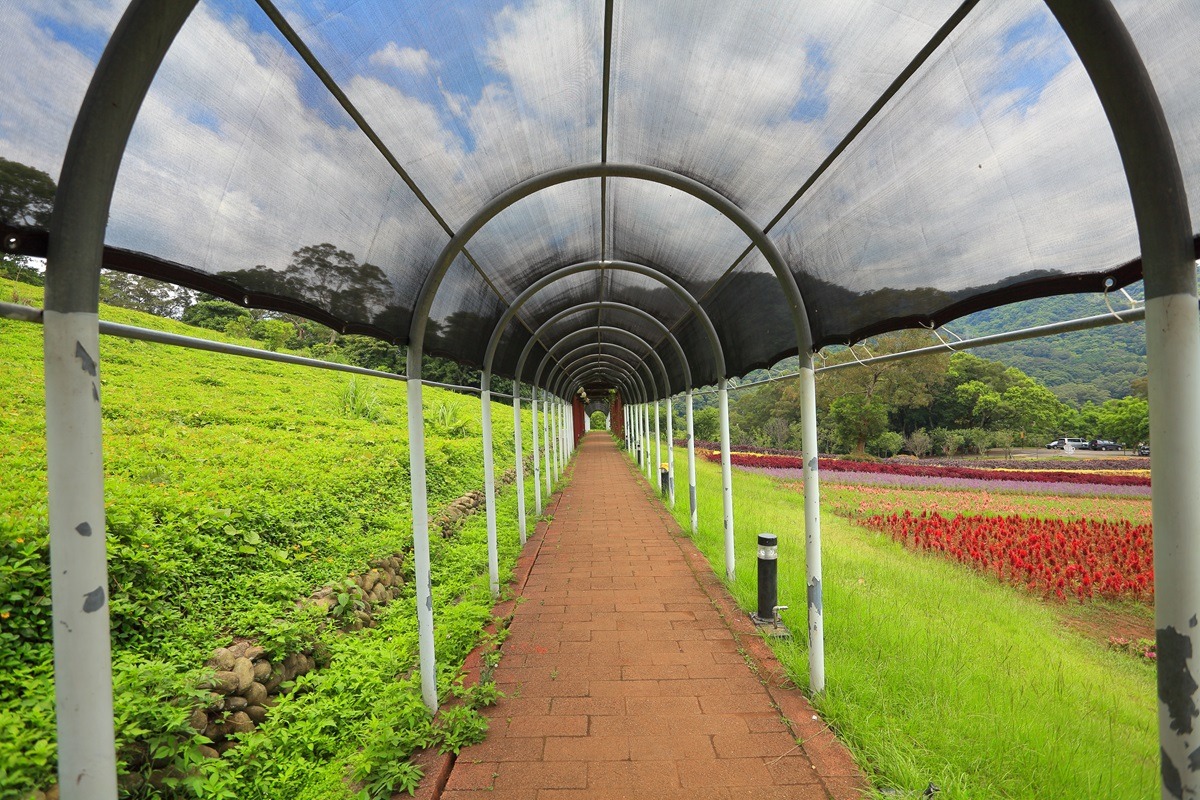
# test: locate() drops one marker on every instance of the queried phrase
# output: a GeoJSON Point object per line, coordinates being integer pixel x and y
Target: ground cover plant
{"type": "Point", "coordinates": [1080, 558]}
{"type": "Point", "coordinates": [233, 489]}
{"type": "Point", "coordinates": [917, 470]}
{"type": "Point", "coordinates": [1021, 461]}
{"type": "Point", "coordinates": [860, 501]}
{"type": "Point", "coordinates": [937, 673]}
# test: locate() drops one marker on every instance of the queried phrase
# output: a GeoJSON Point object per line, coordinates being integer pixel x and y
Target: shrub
{"type": "Point", "coordinates": [886, 444]}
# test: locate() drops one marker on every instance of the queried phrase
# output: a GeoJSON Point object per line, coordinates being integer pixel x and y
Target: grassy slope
{"type": "Point", "coordinates": [936, 674]}
{"type": "Point", "coordinates": [208, 456]}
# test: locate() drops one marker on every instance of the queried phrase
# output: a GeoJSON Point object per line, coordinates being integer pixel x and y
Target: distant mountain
{"type": "Point", "coordinates": [1096, 364]}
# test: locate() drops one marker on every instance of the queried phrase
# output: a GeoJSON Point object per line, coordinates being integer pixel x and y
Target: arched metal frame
{"type": "Point", "coordinates": [1160, 207]}
{"type": "Point", "coordinates": [83, 696]}
{"type": "Point", "coordinates": [718, 356]}
{"type": "Point", "coordinates": [75, 478]}
{"type": "Point", "coordinates": [485, 394]}
{"type": "Point", "coordinates": [416, 340]}
{"type": "Point", "coordinates": [650, 355]}
{"type": "Point", "coordinates": [650, 468]}
{"type": "Point", "coordinates": [640, 431]}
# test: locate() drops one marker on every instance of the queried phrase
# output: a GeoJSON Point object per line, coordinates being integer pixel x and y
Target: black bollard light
{"type": "Point", "coordinates": [768, 576]}
{"type": "Point", "coordinates": [767, 619]}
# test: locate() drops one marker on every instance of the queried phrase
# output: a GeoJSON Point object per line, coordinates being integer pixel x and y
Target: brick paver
{"type": "Point", "coordinates": [621, 676]}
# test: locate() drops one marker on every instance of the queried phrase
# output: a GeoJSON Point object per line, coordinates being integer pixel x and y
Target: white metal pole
{"type": "Point", "coordinates": [564, 431]}
{"type": "Point", "coordinates": [657, 448]}
{"type": "Point", "coordinates": [537, 470]}
{"type": "Point", "coordinates": [726, 478]}
{"type": "Point", "coordinates": [637, 424]}
{"type": "Point", "coordinates": [562, 437]}
{"type": "Point", "coordinates": [547, 411]}
{"type": "Point", "coordinates": [670, 454]}
{"type": "Point", "coordinates": [420, 520]}
{"type": "Point", "coordinates": [555, 416]}
{"type": "Point", "coordinates": [646, 425]}
{"type": "Point", "coordinates": [635, 434]}
{"type": "Point", "coordinates": [691, 464]}
{"type": "Point", "coordinates": [83, 696]}
{"type": "Point", "coordinates": [79, 578]}
{"type": "Point", "coordinates": [812, 525]}
{"type": "Point", "coordinates": [519, 461]}
{"type": "Point", "coordinates": [489, 489]}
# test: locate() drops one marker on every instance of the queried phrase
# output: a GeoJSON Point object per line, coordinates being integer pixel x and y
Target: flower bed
{"type": "Point", "coordinates": [924, 471]}
{"type": "Point", "coordinates": [1004, 482]}
{"type": "Point", "coordinates": [1085, 558]}
{"type": "Point", "coordinates": [857, 501]}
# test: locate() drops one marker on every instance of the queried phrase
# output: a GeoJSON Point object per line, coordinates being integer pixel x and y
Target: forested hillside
{"type": "Point", "coordinates": [1095, 365]}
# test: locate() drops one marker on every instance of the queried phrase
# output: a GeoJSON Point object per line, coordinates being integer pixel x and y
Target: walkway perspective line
{"type": "Point", "coordinates": [622, 677]}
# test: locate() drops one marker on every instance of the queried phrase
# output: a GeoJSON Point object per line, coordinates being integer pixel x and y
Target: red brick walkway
{"type": "Point", "coordinates": [621, 677]}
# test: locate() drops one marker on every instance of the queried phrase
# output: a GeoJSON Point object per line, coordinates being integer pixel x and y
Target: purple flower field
{"type": "Point", "coordinates": [1024, 487]}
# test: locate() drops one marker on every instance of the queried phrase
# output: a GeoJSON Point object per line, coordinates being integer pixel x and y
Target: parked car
{"type": "Point", "coordinates": [1063, 442]}
{"type": "Point", "coordinates": [1103, 444]}
{"type": "Point", "coordinates": [1143, 450]}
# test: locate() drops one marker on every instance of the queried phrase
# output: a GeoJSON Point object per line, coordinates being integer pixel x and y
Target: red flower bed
{"type": "Point", "coordinates": [1086, 558]}
{"type": "Point", "coordinates": [927, 471]}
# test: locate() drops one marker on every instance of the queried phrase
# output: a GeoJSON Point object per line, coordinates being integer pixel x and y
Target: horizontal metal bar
{"type": "Point", "coordinates": [24, 313]}
{"type": "Point", "coordinates": [1069, 326]}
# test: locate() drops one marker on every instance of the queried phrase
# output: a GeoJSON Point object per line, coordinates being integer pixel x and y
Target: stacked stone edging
{"type": "Point", "coordinates": [448, 521]}
{"type": "Point", "coordinates": [245, 682]}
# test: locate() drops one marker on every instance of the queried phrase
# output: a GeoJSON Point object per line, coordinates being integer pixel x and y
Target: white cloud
{"type": "Point", "coordinates": [406, 59]}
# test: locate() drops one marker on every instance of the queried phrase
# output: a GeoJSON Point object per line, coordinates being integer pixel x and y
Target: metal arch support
{"type": "Point", "coordinates": [550, 384]}
{"type": "Point", "coordinates": [79, 576]}
{"type": "Point", "coordinates": [1160, 207]}
{"type": "Point", "coordinates": [626, 308]}
{"type": "Point", "coordinates": [599, 370]}
{"type": "Point", "coordinates": [563, 370]}
{"type": "Point", "coordinates": [705, 194]}
{"type": "Point", "coordinates": [639, 410]}
{"type": "Point", "coordinates": [651, 353]}
{"type": "Point", "coordinates": [420, 319]}
{"type": "Point", "coordinates": [654, 388]}
{"type": "Point", "coordinates": [632, 432]}
{"type": "Point", "coordinates": [517, 434]}
{"type": "Point", "coordinates": [608, 306]}
{"type": "Point", "coordinates": [630, 381]}
{"type": "Point", "coordinates": [620, 266]}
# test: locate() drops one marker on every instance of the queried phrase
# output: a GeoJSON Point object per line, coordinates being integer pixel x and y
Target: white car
{"type": "Point", "coordinates": [1065, 442]}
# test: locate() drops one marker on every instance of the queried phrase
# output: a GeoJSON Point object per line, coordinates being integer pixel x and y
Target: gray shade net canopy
{"type": "Point", "coordinates": [912, 162]}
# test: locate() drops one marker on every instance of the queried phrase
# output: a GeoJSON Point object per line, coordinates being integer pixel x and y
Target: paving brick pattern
{"type": "Point", "coordinates": [622, 678]}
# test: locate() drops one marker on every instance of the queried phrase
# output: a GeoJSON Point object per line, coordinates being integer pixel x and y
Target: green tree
{"type": "Point", "coordinates": [143, 294]}
{"type": "Point", "coordinates": [214, 314]}
{"type": "Point", "coordinates": [1030, 407]}
{"type": "Point", "coordinates": [706, 424]}
{"type": "Point", "coordinates": [919, 443]}
{"type": "Point", "coordinates": [274, 333]}
{"type": "Point", "coordinates": [1126, 420]}
{"type": "Point", "coordinates": [26, 195]}
{"type": "Point", "coordinates": [886, 444]}
{"type": "Point", "coordinates": [16, 268]}
{"type": "Point", "coordinates": [857, 419]}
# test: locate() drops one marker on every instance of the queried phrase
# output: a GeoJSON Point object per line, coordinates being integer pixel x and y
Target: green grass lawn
{"type": "Point", "coordinates": [935, 673]}
{"type": "Point", "coordinates": [234, 488]}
